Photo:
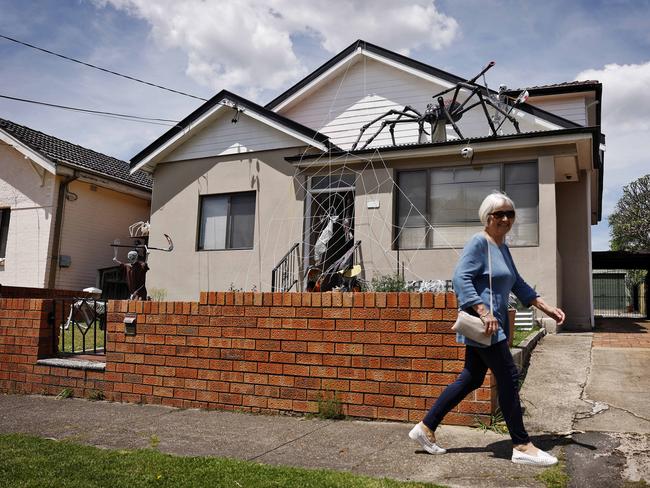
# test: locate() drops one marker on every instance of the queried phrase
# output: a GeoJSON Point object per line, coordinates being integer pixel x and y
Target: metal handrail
{"type": "Point", "coordinates": [286, 269]}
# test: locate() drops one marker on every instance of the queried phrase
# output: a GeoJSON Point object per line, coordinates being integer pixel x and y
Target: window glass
{"type": "Point", "coordinates": [412, 209]}
{"type": "Point", "coordinates": [214, 218]}
{"type": "Point", "coordinates": [454, 196]}
{"type": "Point", "coordinates": [227, 221]}
{"type": "Point", "coordinates": [242, 220]}
{"type": "Point", "coordinates": [522, 187]}
{"type": "Point", "coordinates": [333, 180]}
{"type": "Point", "coordinates": [4, 230]}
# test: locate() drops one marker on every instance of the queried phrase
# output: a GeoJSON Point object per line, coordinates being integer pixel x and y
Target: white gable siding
{"type": "Point", "coordinates": [222, 137]}
{"type": "Point", "coordinates": [573, 109]}
{"type": "Point", "coordinates": [371, 88]}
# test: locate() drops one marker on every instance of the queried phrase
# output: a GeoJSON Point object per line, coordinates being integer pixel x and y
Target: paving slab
{"type": "Point", "coordinates": [552, 390]}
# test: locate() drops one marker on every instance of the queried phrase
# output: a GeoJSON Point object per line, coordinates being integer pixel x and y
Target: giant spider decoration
{"type": "Point", "coordinates": [449, 111]}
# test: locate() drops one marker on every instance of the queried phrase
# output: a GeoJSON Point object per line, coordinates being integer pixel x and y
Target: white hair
{"type": "Point", "coordinates": [492, 201]}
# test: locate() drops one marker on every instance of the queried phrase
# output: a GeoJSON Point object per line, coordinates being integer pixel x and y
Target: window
{"type": "Point", "coordinates": [227, 221]}
{"type": "Point", "coordinates": [449, 198]}
{"type": "Point", "coordinates": [4, 230]}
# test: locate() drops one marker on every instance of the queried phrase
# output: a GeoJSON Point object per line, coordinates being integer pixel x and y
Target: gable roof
{"type": "Point", "coordinates": [58, 151]}
{"type": "Point", "coordinates": [361, 47]}
{"type": "Point", "coordinates": [228, 99]}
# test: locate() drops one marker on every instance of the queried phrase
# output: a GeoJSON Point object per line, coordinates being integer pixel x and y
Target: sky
{"type": "Point", "coordinates": [259, 48]}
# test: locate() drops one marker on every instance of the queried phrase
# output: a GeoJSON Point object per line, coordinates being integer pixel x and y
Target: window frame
{"type": "Point", "coordinates": [229, 236]}
{"type": "Point", "coordinates": [427, 170]}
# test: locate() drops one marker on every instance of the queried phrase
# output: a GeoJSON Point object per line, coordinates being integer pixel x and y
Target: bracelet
{"type": "Point", "coordinates": [484, 315]}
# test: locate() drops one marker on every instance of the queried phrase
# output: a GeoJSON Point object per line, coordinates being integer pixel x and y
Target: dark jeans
{"type": "Point", "coordinates": [497, 357]}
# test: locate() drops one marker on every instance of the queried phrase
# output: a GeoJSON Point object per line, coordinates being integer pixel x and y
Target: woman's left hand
{"type": "Point", "coordinates": [554, 312]}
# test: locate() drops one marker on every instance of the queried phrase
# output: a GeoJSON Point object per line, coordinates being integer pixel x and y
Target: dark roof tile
{"type": "Point", "coordinates": [68, 154]}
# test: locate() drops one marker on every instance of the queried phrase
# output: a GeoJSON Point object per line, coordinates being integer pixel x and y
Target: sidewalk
{"type": "Point", "coordinates": [552, 395]}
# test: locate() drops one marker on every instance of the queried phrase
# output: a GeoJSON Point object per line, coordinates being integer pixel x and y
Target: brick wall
{"type": "Point", "coordinates": [385, 355]}
{"type": "Point", "coordinates": [26, 336]}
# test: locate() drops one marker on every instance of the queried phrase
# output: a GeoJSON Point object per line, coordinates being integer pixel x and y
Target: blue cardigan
{"type": "Point", "coordinates": [472, 285]}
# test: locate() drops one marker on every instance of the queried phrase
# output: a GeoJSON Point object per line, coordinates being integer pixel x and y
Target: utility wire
{"type": "Point", "coordinates": [94, 112]}
{"type": "Point", "coordinates": [99, 68]}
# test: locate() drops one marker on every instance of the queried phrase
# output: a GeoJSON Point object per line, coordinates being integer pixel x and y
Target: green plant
{"type": "Point", "coordinates": [154, 441]}
{"type": "Point", "coordinates": [158, 294]}
{"type": "Point", "coordinates": [521, 334]}
{"type": "Point", "coordinates": [96, 395]}
{"type": "Point", "coordinates": [497, 423]}
{"type": "Point", "coordinates": [393, 282]}
{"type": "Point", "coordinates": [555, 476]}
{"type": "Point", "coordinates": [329, 406]}
{"type": "Point", "coordinates": [65, 393]}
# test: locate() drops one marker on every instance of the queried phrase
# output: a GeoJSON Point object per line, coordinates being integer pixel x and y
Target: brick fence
{"type": "Point", "coordinates": [384, 355]}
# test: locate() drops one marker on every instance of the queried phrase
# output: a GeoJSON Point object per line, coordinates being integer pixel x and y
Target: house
{"type": "Point", "coordinates": [239, 185]}
{"type": "Point", "coordinates": [61, 206]}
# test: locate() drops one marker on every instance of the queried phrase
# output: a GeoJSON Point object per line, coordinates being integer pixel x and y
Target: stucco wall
{"type": "Point", "coordinates": [563, 214]}
{"type": "Point", "coordinates": [90, 224]}
{"type": "Point", "coordinates": [574, 246]}
{"type": "Point", "coordinates": [184, 272]}
{"type": "Point", "coordinates": [31, 197]}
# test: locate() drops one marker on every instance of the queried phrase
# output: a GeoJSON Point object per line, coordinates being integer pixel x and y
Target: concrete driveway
{"type": "Point", "coordinates": [597, 386]}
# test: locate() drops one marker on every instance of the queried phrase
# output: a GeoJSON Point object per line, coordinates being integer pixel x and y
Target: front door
{"type": "Point", "coordinates": [329, 229]}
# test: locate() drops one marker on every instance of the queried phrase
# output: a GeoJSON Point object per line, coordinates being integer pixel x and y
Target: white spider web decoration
{"type": "Point", "coordinates": [356, 174]}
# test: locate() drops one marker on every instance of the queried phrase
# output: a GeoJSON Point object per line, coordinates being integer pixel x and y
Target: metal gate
{"type": "Point", "coordinates": [79, 326]}
{"type": "Point", "coordinates": [621, 283]}
{"type": "Point", "coordinates": [619, 293]}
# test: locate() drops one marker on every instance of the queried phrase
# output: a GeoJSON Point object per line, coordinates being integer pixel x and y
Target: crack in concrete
{"type": "Point", "coordinates": [253, 458]}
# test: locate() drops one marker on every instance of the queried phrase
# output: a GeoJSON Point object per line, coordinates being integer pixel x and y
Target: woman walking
{"type": "Point", "coordinates": [472, 286]}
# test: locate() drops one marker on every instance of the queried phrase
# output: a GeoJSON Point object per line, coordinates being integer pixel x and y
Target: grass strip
{"type": "Point", "coordinates": [27, 461]}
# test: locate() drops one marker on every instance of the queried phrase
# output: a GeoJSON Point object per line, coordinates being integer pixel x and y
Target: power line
{"type": "Point", "coordinates": [94, 112]}
{"type": "Point", "coordinates": [100, 68]}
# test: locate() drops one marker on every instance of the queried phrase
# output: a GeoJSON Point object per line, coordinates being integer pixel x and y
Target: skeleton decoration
{"type": "Point", "coordinates": [136, 269]}
{"type": "Point", "coordinates": [447, 112]}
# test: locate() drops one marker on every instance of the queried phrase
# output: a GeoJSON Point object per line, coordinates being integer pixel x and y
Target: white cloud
{"type": "Point", "coordinates": [626, 95]}
{"type": "Point", "coordinates": [626, 122]}
{"type": "Point", "coordinates": [250, 45]}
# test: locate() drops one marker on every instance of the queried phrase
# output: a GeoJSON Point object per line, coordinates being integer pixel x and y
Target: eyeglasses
{"type": "Point", "coordinates": [504, 213]}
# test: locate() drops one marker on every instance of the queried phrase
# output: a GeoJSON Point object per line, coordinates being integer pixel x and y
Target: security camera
{"type": "Point", "coordinates": [467, 152]}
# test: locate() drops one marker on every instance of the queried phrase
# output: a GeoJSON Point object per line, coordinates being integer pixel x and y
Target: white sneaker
{"type": "Point", "coordinates": [418, 434]}
{"type": "Point", "coordinates": [541, 459]}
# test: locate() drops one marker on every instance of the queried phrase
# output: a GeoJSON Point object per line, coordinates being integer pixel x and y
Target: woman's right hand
{"type": "Point", "coordinates": [491, 324]}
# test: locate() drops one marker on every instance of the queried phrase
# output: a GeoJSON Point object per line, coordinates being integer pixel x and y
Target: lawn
{"type": "Point", "coordinates": [27, 461]}
{"type": "Point", "coordinates": [65, 338]}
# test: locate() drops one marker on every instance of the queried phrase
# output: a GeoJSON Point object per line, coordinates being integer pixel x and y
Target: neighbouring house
{"type": "Point", "coordinates": [61, 206]}
{"type": "Point", "coordinates": [243, 188]}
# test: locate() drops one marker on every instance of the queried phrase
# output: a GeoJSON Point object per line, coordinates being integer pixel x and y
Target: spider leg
{"type": "Point", "coordinates": [482, 101]}
{"type": "Point", "coordinates": [443, 109]}
{"type": "Point", "coordinates": [399, 113]}
{"type": "Point", "coordinates": [392, 124]}
{"type": "Point", "coordinates": [507, 115]}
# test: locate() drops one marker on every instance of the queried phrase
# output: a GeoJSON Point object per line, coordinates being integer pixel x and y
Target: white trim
{"type": "Point", "coordinates": [27, 152]}
{"type": "Point", "coordinates": [170, 144]}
